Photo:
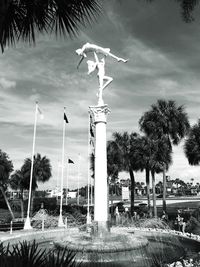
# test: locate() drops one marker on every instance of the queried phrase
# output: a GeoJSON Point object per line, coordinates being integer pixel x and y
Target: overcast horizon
{"type": "Point", "coordinates": [164, 62]}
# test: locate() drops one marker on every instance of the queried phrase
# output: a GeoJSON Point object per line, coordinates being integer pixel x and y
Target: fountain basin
{"type": "Point", "coordinates": [145, 246]}
{"type": "Point", "coordinates": [110, 250]}
{"type": "Point", "coordinates": [124, 247]}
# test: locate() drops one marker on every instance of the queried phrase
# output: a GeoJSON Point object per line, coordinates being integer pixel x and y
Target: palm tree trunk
{"type": "Point", "coordinates": [22, 203]}
{"type": "Point", "coordinates": [132, 190]}
{"type": "Point", "coordinates": [7, 202]}
{"type": "Point", "coordinates": [148, 188]}
{"type": "Point", "coordinates": [112, 207]}
{"type": "Point", "coordinates": [32, 203]}
{"type": "Point", "coordinates": [164, 188]}
{"type": "Point", "coordinates": [154, 194]}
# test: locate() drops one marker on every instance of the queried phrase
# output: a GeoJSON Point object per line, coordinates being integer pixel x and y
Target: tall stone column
{"type": "Point", "coordinates": [99, 114]}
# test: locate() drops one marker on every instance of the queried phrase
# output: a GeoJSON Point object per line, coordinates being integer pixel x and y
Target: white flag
{"type": "Point", "coordinates": [40, 113]}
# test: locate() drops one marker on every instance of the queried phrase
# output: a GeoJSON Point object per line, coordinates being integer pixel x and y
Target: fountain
{"type": "Point", "coordinates": [105, 246]}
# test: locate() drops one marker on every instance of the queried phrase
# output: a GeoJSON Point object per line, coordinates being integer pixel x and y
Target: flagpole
{"type": "Point", "coordinates": [88, 181]}
{"type": "Point", "coordinates": [67, 173]}
{"type": "Point", "coordinates": [60, 220]}
{"type": "Point", "coordinates": [57, 184]}
{"type": "Point", "coordinates": [27, 225]}
{"type": "Point", "coordinates": [79, 159]}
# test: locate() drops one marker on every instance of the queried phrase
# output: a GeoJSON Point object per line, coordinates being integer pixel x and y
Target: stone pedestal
{"type": "Point", "coordinates": [99, 114]}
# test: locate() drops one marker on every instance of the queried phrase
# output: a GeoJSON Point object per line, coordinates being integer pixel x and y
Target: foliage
{"type": "Point", "coordinates": [192, 145]}
{"type": "Point", "coordinates": [114, 160]}
{"type": "Point", "coordinates": [167, 124]}
{"type": "Point", "coordinates": [165, 118]}
{"type": "Point", "coordinates": [41, 171]}
{"type": "Point", "coordinates": [153, 223]}
{"type": "Point", "coordinates": [124, 142]}
{"type": "Point", "coordinates": [122, 159]}
{"type": "Point", "coordinates": [50, 204]}
{"type": "Point", "coordinates": [29, 254]}
{"type": "Point", "coordinates": [17, 181]}
{"type": "Point", "coordinates": [23, 19]}
{"type": "Point", "coordinates": [151, 154]}
{"type": "Point", "coordinates": [6, 167]}
{"type": "Point", "coordinates": [58, 258]}
{"type": "Point", "coordinates": [193, 226]}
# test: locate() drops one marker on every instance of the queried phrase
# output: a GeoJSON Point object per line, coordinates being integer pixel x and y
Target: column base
{"type": "Point", "coordinates": [101, 228]}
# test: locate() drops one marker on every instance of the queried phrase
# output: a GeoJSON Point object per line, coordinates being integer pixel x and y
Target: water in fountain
{"type": "Point", "coordinates": [111, 250]}
{"type": "Point", "coordinates": [125, 247]}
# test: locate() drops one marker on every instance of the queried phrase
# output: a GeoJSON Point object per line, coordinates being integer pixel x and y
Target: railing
{"type": "Point", "coordinates": [4, 227]}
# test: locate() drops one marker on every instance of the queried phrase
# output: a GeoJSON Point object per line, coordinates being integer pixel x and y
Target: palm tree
{"type": "Point", "coordinates": [114, 166]}
{"type": "Point", "coordinates": [192, 145]}
{"type": "Point", "coordinates": [41, 171]}
{"type": "Point", "coordinates": [17, 181]}
{"type": "Point", "coordinates": [165, 119]}
{"type": "Point", "coordinates": [23, 19]}
{"type": "Point", "coordinates": [151, 155]}
{"type": "Point", "coordinates": [114, 160]}
{"type": "Point", "coordinates": [142, 154]}
{"type": "Point", "coordinates": [161, 161]}
{"type": "Point", "coordinates": [6, 167]}
{"type": "Point", "coordinates": [124, 143]}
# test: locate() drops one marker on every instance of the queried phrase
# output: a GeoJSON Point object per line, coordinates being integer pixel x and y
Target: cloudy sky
{"type": "Point", "coordinates": [164, 62]}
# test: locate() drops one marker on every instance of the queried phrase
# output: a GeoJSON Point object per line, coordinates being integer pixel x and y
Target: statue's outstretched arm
{"type": "Point", "coordinates": [118, 58]}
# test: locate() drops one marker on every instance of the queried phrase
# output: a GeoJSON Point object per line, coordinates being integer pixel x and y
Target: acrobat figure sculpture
{"type": "Point", "coordinates": [104, 80]}
{"type": "Point", "coordinates": [100, 66]}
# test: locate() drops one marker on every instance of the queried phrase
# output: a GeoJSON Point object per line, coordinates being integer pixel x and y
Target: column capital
{"type": "Point", "coordinates": [99, 113]}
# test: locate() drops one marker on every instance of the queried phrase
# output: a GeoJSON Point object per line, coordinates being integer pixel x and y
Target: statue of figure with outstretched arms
{"type": "Point", "coordinates": [98, 65]}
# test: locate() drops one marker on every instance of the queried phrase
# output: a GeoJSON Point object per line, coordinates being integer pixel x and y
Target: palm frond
{"type": "Point", "coordinates": [23, 19]}
{"type": "Point", "coordinates": [165, 118]}
{"type": "Point", "coordinates": [192, 145]}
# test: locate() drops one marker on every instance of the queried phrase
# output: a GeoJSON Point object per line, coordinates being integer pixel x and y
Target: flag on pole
{"type": "Point", "coordinates": [65, 118]}
{"type": "Point", "coordinates": [70, 161]}
{"type": "Point", "coordinates": [40, 112]}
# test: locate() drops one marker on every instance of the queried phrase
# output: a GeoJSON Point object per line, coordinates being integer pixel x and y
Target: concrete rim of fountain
{"type": "Point", "coordinates": [110, 243]}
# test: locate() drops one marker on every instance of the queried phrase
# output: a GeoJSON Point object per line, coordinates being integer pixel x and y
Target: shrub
{"type": "Point", "coordinates": [30, 255]}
